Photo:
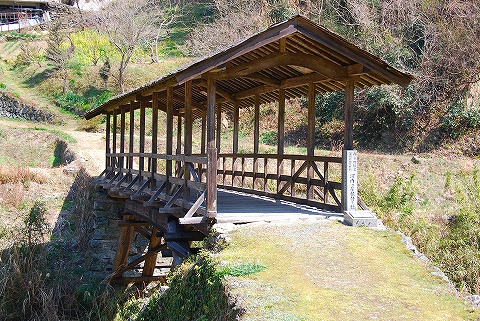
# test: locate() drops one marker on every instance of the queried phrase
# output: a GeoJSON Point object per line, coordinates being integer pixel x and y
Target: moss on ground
{"type": "Point", "coordinates": [320, 270]}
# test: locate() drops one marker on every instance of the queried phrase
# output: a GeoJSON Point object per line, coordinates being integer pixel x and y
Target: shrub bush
{"type": "Point", "coordinates": [196, 292]}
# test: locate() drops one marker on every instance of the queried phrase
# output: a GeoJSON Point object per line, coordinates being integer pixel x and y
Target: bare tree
{"type": "Point", "coordinates": [235, 20]}
{"type": "Point", "coordinates": [59, 52]}
{"type": "Point", "coordinates": [131, 24]}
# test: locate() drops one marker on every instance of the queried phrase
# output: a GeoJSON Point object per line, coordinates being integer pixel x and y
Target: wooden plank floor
{"type": "Point", "coordinates": [238, 207]}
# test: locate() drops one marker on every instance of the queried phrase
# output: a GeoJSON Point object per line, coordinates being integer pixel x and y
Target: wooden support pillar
{"type": "Point", "coordinates": [179, 135]}
{"type": "Point", "coordinates": [349, 103]}
{"type": "Point", "coordinates": [236, 120]}
{"type": "Point", "coordinates": [283, 45]}
{"type": "Point", "coordinates": [107, 141]}
{"type": "Point", "coordinates": [310, 138]}
{"type": "Point", "coordinates": [219, 127]}
{"type": "Point", "coordinates": [169, 142]}
{"type": "Point", "coordinates": [131, 132]}
{"type": "Point", "coordinates": [151, 261]}
{"type": "Point", "coordinates": [178, 165]}
{"type": "Point", "coordinates": [203, 144]}
{"type": "Point", "coordinates": [114, 139]}
{"type": "Point", "coordinates": [211, 150]}
{"type": "Point", "coordinates": [188, 139]}
{"type": "Point", "coordinates": [122, 136]}
{"type": "Point", "coordinates": [280, 135]}
{"type": "Point", "coordinates": [174, 227]}
{"type": "Point", "coordinates": [141, 149]}
{"type": "Point", "coordinates": [203, 148]}
{"type": "Point", "coordinates": [124, 244]}
{"type": "Point", "coordinates": [153, 167]}
{"type": "Point", "coordinates": [256, 138]}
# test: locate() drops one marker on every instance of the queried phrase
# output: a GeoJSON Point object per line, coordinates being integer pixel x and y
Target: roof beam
{"type": "Point", "coordinates": [285, 84]}
{"type": "Point", "coordinates": [179, 98]}
{"type": "Point", "coordinates": [263, 79]}
{"type": "Point", "coordinates": [321, 65]}
{"type": "Point", "coordinates": [229, 97]}
{"type": "Point", "coordinates": [346, 49]}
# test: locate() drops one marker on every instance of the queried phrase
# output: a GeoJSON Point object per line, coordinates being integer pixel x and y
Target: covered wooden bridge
{"type": "Point", "coordinates": [172, 195]}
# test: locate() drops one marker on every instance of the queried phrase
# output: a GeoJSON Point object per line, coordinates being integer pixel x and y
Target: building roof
{"type": "Point", "coordinates": [288, 55]}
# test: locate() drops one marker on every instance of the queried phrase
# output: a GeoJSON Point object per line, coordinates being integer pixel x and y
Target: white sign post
{"type": "Point", "coordinates": [350, 181]}
{"type": "Point", "coordinates": [351, 214]}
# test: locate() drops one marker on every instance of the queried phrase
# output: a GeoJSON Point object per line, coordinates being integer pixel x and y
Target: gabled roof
{"type": "Point", "coordinates": [288, 55]}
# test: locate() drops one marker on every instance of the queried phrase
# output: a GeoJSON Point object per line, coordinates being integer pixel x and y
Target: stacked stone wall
{"type": "Point", "coordinates": [102, 247]}
{"type": "Point", "coordinates": [11, 107]}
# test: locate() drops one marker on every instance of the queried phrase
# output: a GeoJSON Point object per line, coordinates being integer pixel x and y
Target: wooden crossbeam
{"type": "Point", "coordinates": [174, 197]}
{"type": "Point", "coordinates": [141, 230]}
{"type": "Point", "coordinates": [141, 189]}
{"type": "Point", "coordinates": [142, 258]}
{"type": "Point", "coordinates": [131, 183]}
{"type": "Point", "coordinates": [294, 177]}
{"type": "Point", "coordinates": [178, 249]}
{"type": "Point", "coordinates": [321, 65]}
{"type": "Point", "coordinates": [193, 172]}
{"type": "Point", "coordinates": [156, 194]}
{"type": "Point", "coordinates": [195, 206]}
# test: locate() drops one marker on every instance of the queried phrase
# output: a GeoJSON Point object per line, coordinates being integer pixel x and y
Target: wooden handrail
{"type": "Point", "coordinates": [199, 159]}
{"type": "Point", "coordinates": [323, 159]}
{"type": "Point", "coordinates": [288, 186]}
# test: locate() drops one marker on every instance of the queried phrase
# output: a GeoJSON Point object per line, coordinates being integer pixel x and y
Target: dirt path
{"type": "Point", "coordinates": [90, 147]}
{"type": "Point", "coordinates": [322, 270]}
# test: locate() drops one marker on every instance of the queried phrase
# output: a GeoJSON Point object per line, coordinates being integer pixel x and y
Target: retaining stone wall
{"type": "Point", "coordinates": [12, 107]}
{"type": "Point", "coordinates": [102, 247]}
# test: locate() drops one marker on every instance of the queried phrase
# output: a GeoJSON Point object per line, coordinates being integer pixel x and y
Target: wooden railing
{"type": "Point", "coordinates": [310, 180]}
{"type": "Point", "coordinates": [168, 178]}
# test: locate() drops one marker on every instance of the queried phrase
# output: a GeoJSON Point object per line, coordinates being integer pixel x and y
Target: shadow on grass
{"type": "Point", "coordinates": [38, 78]}
{"type": "Point", "coordinates": [48, 280]}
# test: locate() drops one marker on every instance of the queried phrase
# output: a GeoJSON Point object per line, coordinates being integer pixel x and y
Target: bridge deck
{"type": "Point", "coordinates": [239, 207]}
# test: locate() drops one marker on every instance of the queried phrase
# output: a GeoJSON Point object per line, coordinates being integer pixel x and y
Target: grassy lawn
{"type": "Point", "coordinates": [321, 270]}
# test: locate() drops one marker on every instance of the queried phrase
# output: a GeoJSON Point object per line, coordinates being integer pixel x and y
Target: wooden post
{"type": "Point", "coordinates": [310, 138]}
{"type": "Point", "coordinates": [122, 135]}
{"type": "Point", "coordinates": [236, 116]}
{"type": "Point", "coordinates": [124, 244]}
{"type": "Point", "coordinates": [256, 137]}
{"type": "Point", "coordinates": [107, 141]}
{"type": "Point", "coordinates": [203, 145]}
{"type": "Point", "coordinates": [188, 139]}
{"type": "Point", "coordinates": [281, 136]}
{"type": "Point", "coordinates": [178, 165]}
{"type": "Point", "coordinates": [131, 134]}
{"type": "Point", "coordinates": [151, 261]}
{"type": "Point", "coordinates": [212, 150]}
{"type": "Point", "coordinates": [349, 102]}
{"type": "Point", "coordinates": [114, 138]}
{"type": "Point", "coordinates": [169, 142]}
{"type": "Point", "coordinates": [283, 45]}
{"type": "Point", "coordinates": [141, 150]}
{"type": "Point", "coordinates": [179, 135]}
{"type": "Point", "coordinates": [219, 127]}
{"type": "Point", "coordinates": [153, 167]}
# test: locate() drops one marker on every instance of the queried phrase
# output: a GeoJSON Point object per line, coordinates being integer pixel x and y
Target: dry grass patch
{"type": "Point", "coordinates": [19, 174]}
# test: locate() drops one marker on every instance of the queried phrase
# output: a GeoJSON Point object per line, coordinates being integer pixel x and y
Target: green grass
{"type": "Point", "coordinates": [37, 147]}
{"type": "Point", "coordinates": [327, 271]}
{"type": "Point", "coordinates": [68, 138]}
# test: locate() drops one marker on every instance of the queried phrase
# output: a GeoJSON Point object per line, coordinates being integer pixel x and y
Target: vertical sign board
{"type": "Point", "coordinates": [350, 180]}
